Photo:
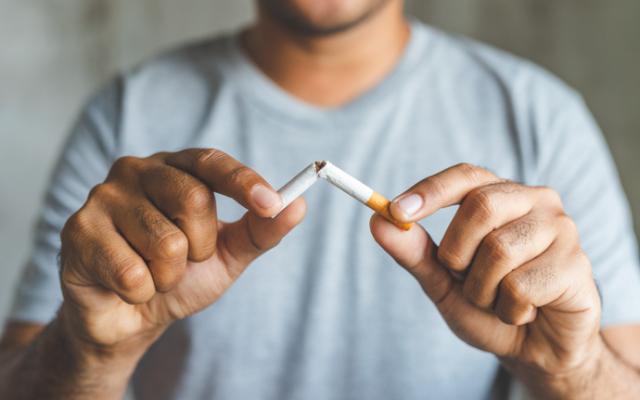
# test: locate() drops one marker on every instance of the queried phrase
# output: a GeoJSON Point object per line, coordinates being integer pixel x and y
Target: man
{"type": "Point", "coordinates": [155, 286]}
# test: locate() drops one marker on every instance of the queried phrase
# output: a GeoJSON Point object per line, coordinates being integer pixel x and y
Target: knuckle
{"type": "Point", "coordinates": [568, 226]}
{"type": "Point", "coordinates": [203, 251]}
{"type": "Point", "coordinates": [124, 165]}
{"type": "Point", "coordinates": [506, 187]}
{"type": "Point", "coordinates": [104, 261]}
{"type": "Point", "coordinates": [198, 199]}
{"type": "Point", "coordinates": [156, 174]}
{"type": "Point", "coordinates": [582, 259]}
{"type": "Point", "coordinates": [509, 316]}
{"type": "Point", "coordinates": [167, 276]}
{"type": "Point", "coordinates": [582, 263]}
{"type": "Point", "coordinates": [69, 262]}
{"type": "Point", "coordinates": [67, 274]}
{"type": "Point", "coordinates": [77, 225]}
{"type": "Point", "coordinates": [515, 313]}
{"type": "Point", "coordinates": [206, 156]}
{"type": "Point", "coordinates": [130, 275]}
{"type": "Point", "coordinates": [172, 246]}
{"type": "Point", "coordinates": [522, 232]}
{"type": "Point", "coordinates": [238, 176]}
{"type": "Point", "coordinates": [472, 172]}
{"type": "Point", "coordinates": [165, 283]}
{"type": "Point", "coordinates": [480, 206]}
{"type": "Point", "coordinates": [551, 196]}
{"type": "Point", "coordinates": [451, 258]}
{"type": "Point", "coordinates": [103, 191]}
{"type": "Point", "coordinates": [71, 227]}
{"type": "Point", "coordinates": [161, 155]}
{"type": "Point", "coordinates": [497, 247]}
{"type": "Point", "coordinates": [466, 168]}
{"type": "Point", "coordinates": [513, 289]}
{"type": "Point", "coordinates": [436, 187]}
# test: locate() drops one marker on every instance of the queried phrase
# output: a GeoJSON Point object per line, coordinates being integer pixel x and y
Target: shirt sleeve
{"type": "Point", "coordinates": [84, 162]}
{"type": "Point", "coordinates": [575, 161]}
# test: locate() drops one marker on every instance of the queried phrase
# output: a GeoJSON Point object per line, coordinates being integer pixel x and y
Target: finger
{"type": "Point", "coordinates": [188, 203]}
{"type": "Point", "coordinates": [104, 258]}
{"type": "Point", "coordinates": [504, 250]}
{"type": "Point", "coordinates": [243, 241]}
{"type": "Point", "coordinates": [225, 175]}
{"type": "Point", "coordinates": [443, 189]}
{"type": "Point", "coordinates": [156, 239]}
{"type": "Point", "coordinates": [558, 278]}
{"type": "Point", "coordinates": [416, 252]}
{"type": "Point", "coordinates": [482, 211]}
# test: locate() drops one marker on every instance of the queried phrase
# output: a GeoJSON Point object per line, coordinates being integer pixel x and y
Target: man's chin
{"type": "Point", "coordinates": [299, 22]}
{"type": "Point", "coordinates": [311, 28]}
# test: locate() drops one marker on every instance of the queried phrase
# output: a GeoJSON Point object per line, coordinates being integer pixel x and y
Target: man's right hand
{"type": "Point", "coordinates": [147, 248]}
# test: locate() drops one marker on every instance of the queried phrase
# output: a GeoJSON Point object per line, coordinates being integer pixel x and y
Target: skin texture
{"type": "Point", "coordinates": [321, 18]}
{"type": "Point", "coordinates": [329, 70]}
{"type": "Point", "coordinates": [146, 249]}
{"type": "Point", "coordinates": [177, 259]}
{"type": "Point", "coordinates": [510, 278]}
{"type": "Point", "coordinates": [142, 253]}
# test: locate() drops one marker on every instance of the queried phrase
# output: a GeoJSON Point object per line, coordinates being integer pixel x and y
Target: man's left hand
{"type": "Point", "coordinates": [509, 276]}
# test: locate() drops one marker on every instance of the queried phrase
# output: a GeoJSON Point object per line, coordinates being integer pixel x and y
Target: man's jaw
{"type": "Point", "coordinates": [297, 23]}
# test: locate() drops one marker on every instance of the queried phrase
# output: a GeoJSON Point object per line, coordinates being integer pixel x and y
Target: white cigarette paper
{"type": "Point", "coordinates": [298, 185]}
{"type": "Point", "coordinates": [345, 182]}
{"type": "Point", "coordinates": [340, 179]}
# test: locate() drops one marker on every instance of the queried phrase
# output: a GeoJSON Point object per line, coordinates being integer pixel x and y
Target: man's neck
{"type": "Point", "coordinates": [329, 71]}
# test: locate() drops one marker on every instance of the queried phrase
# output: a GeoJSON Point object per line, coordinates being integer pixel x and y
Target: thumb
{"type": "Point", "coordinates": [243, 241]}
{"type": "Point", "coordinates": [416, 252]}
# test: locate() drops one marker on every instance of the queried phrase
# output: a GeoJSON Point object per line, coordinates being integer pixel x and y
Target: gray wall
{"type": "Point", "coordinates": [53, 54]}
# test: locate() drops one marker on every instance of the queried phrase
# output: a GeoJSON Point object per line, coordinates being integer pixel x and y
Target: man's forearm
{"type": "Point", "coordinates": [54, 367]}
{"type": "Point", "coordinates": [608, 376]}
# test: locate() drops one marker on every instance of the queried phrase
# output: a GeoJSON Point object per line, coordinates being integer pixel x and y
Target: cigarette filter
{"type": "Point", "coordinates": [345, 182]}
{"type": "Point", "coordinates": [359, 191]}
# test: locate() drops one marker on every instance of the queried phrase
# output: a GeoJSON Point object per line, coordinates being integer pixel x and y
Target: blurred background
{"type": "Point", "coordinates": [55, 53]}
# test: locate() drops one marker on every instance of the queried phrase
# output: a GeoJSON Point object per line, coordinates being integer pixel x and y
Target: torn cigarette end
{"type": "Point", "coordinates": [343, 181]}
{"type": "Point", "coordinates": [298, 185]}
{"type": "Point", "coordinates": [319, 165]}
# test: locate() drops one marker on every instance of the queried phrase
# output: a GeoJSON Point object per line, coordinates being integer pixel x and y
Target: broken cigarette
{"type": "Point", "coordinates": [298, 185]}
{"type": "Point", "coordinates": [345, 182]}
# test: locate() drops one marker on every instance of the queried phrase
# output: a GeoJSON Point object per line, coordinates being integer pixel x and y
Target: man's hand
{"type": "Point", "coordinates": [509, 276]}
{"type": "Point", "coordinates": [147, 248]}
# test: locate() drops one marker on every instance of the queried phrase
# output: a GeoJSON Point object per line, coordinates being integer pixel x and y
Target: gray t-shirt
{"type": "Point", "coordinates": [327, 314]}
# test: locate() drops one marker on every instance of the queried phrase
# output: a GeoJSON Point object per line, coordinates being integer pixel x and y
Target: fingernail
{"type": "Point", "coordinates": [264, 197]}
{"type": "Point", "coordinates": [409, 205]}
